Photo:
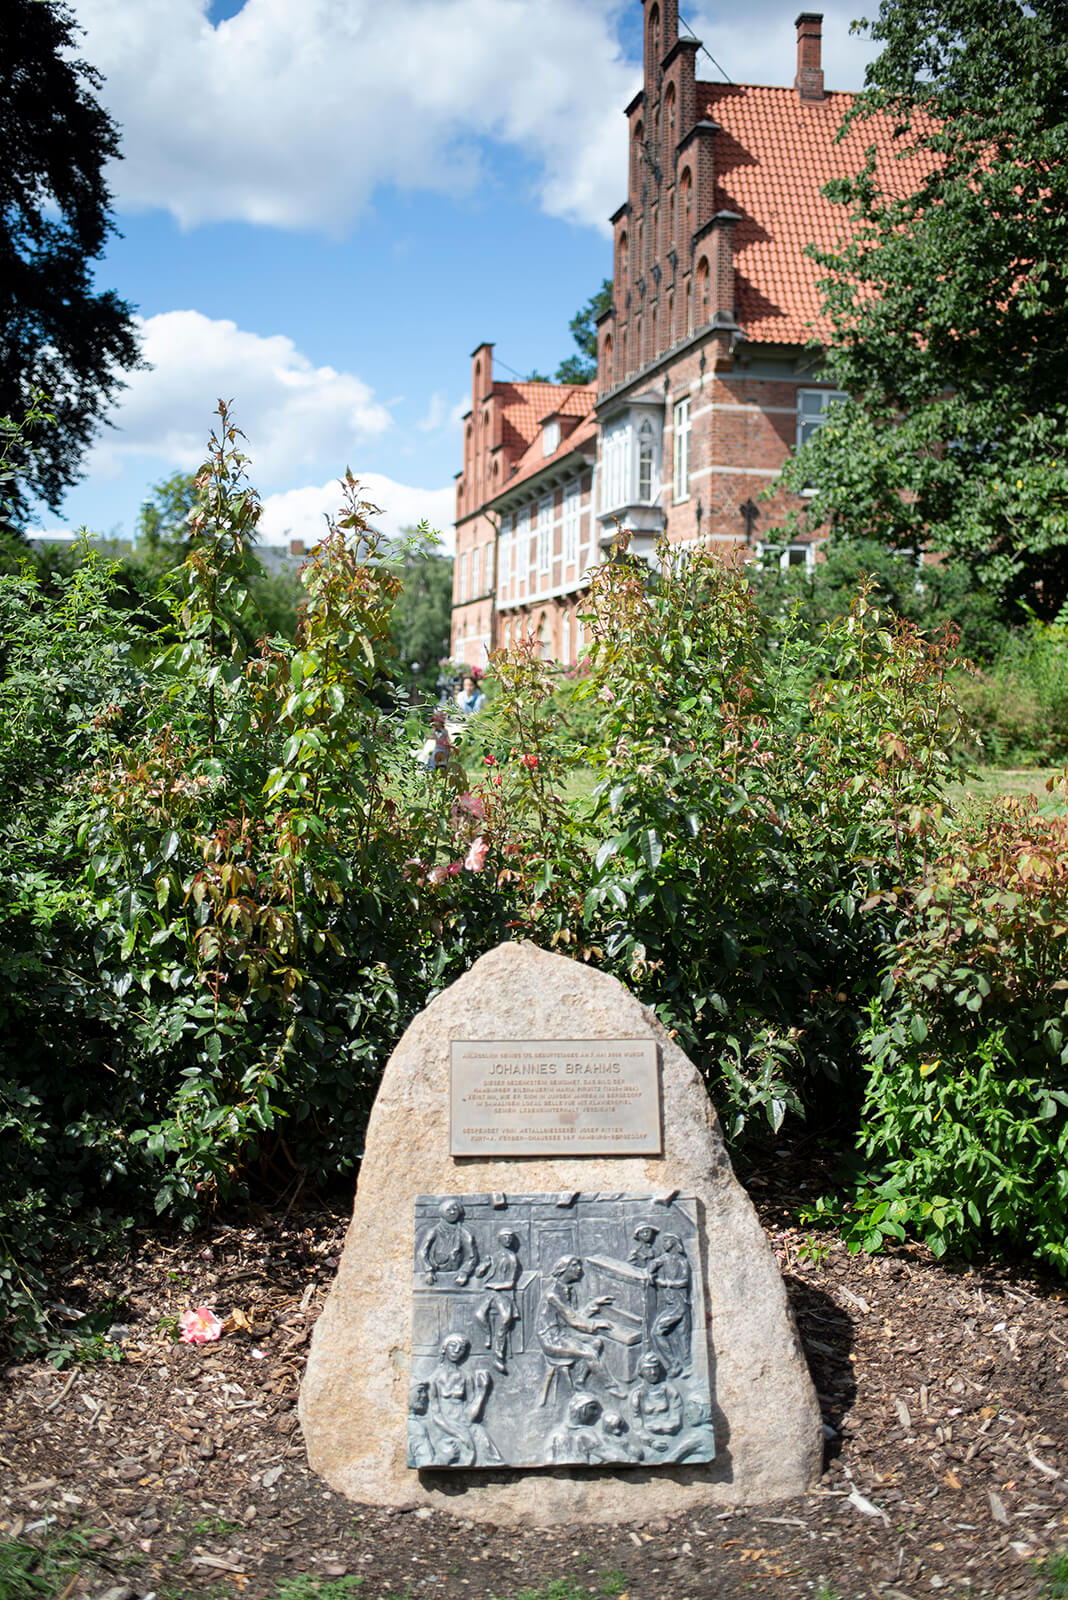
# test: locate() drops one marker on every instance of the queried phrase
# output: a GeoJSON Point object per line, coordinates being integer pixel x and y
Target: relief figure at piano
{"type": "Point", "coordinates": [569, 1334]}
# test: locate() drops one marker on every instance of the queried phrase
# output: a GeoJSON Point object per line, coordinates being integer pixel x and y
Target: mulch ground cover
{"type": "Point", "coordinates": [944, 1391]}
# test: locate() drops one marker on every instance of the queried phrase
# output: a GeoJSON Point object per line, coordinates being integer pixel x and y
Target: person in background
{"type": "Point", "coordinates": [438, 748]}
{"type": "Point", "coordinates": [470, 698]}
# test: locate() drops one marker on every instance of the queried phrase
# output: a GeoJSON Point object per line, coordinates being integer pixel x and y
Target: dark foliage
{"type": "Point", "coordinates": [59, 334]}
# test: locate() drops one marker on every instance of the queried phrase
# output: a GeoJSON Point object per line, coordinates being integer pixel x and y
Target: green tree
{"type": "Point", "coordinates": [949, 304]}
{"type": "Point", "coordinates": [58, 334]}
{"type": "Point", "coordinates": [422, 612]}
{"type": "Point", "coordinates": [163, 520]}
{"type": "Point", "coordinates": [583, 326]}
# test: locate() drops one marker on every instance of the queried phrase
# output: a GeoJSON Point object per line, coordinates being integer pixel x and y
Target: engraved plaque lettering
{"type": "Point", "coordinates": [558, 1330]}
{"type": "Point", "coordinates": [527, 1097]}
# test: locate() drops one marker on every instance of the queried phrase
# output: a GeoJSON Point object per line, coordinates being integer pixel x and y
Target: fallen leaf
{"type": "Point", "coordinates": [997, 1508]}
{"type": "Point", "coordinates": [860, 1503]}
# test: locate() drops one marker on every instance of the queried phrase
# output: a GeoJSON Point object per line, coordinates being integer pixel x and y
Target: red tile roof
{"type": "Point", "coordinates": [523, 406]}
{"type": "Point", "coordinates": [772, 158]}
{"type": "Point", "coordinates": [533, 461]}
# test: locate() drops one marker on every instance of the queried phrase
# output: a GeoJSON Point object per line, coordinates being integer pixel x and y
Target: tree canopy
{"type": "Point", "coordinates": [949, 305]}
{"type": "Point", "coordinates": [582, 368]}
{"type": "Point", "coordinates": [421, 617]}
{"type": "Point", "coordinates": [58, 334]}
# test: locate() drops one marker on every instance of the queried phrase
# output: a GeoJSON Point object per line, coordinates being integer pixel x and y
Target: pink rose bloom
{"type": "Point", "coordinates": [454, 869]}
{"type": "Point", "coordinates": [200, 1326]}
{"type": "Point", "coordinates": [472, 804]}
{"type": "Point", "coordinates": [476, 856]}
{"type": "Point", "coordinates": [437, 874]}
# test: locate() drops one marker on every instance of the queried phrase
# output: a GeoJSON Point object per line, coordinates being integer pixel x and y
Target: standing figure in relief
{"type": "Point", "coordinates": [457, 1401]}
{"type": "Point", "coordinates": [501, 1273]}
{"type": "Point", "coordinates": [567, 1333]}
{"type": "Point", "coordinates": [448, 1246]}
{"type": "Point", "coordinates": [657, 1405]}
{"type": "Point", "coordinates": [671, 1334]}
{"type": "Point", "coordinates": [642, 1256]}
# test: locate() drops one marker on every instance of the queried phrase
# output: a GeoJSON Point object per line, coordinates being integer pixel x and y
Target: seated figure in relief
{"type": "Point", "coordinates": [657, 1405]}
{"type": "Point", "coordinates": [457, 1400]}
{"type": "Point", "coordinates": [448, 1246]}
{"type": "Point", "coordinates": [568, 1333]}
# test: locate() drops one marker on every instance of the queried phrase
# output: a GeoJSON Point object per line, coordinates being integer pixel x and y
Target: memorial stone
{"type": "Point", "coordinates": [578, 1319]}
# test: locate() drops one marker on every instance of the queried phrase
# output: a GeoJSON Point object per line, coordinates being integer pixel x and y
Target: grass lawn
{"type": "Point", "coordinates": [990, 782]}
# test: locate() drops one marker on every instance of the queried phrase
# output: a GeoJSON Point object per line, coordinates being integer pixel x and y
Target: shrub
{"type": "Point", "coordinates": [729, 864]}
{"type": "Point", "coordinates": [1018, 705]}
{"type": "Point", "coordinates": [213, 928]}
{"type": "Point", "coordinates": [965, 1122]}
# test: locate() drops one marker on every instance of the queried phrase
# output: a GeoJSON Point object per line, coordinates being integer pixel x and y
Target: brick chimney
{"type": "Point", "coordinates": [809, 80]}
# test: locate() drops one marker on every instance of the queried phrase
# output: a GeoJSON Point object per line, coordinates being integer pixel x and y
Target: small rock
{"type": "Point", "coordinates": [119, 1591]}
{"type": "Point", "coordinates": [424, 1511]}
{"type": "Point", "coordinates": [657, 1527]}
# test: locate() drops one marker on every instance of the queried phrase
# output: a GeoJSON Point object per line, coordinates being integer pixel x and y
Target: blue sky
{"type": "Point", "coordinates": [324, 207]}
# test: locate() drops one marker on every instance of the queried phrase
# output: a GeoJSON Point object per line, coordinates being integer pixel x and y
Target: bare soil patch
{"type": "Point", "coordinates": [945, 1393]}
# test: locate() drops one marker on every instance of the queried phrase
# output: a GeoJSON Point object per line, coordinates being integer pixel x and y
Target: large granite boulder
{"type": "Point", "coordinates": [355, 1395]}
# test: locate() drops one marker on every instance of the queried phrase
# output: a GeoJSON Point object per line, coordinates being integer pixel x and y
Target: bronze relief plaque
{"type": "Point", "coordinates": [558, 1330]}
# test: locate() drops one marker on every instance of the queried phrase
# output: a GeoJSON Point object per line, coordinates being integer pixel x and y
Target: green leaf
{"type": "Point", "coordinates": [651, 848]}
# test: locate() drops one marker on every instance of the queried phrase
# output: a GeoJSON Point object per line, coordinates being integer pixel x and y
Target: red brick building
{"type": "Point", "coordinates": [704, 381]}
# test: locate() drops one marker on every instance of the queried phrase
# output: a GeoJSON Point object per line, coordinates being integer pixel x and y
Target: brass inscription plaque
{"type": "Point", "coordinates": [534, 1097]}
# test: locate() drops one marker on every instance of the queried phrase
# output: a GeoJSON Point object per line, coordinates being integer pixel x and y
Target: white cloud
{"type": "Point", "coordinates": [439, 413]}
{"type": "Point", "coordinates": [292, 115]}
{"type": "Point", "coordinates": [296, 416]}
{"type": "Point", "coordinates": [300, 513]}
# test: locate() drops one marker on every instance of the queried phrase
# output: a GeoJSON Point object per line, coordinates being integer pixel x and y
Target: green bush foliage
{"type": "Point", "coordinates": [1018, 703]}
{"type": "Point", "coordinates": [745, 819]}
{"type": "Point", "coordinates": [210, 937]}
{"type": "Point", "coordinates": [965, 1122]}
{"type": "Point", "coordinates": [226, 885]}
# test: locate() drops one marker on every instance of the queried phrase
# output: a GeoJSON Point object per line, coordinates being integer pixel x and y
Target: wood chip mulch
{"type": "Point", "coordinates": [944, 1391]}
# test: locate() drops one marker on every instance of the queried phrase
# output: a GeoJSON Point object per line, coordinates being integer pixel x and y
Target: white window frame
{"type": "Point", "coordinates": [572, 519]}
{"type": "Point", "coordinates": [680, 439]}
{"type": "Point", "coordinates": [545, 533]}
{"type": "Point", "coordinates": [787, 556]}
{"type": "Point", "coordinates": [647, 488]}
{"type": "Point", "coordinates": [522, 544]}
{"type": "Point", "coordinates": [615, 464]}
{"type": "Point", "coordinates": [812, 408]}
